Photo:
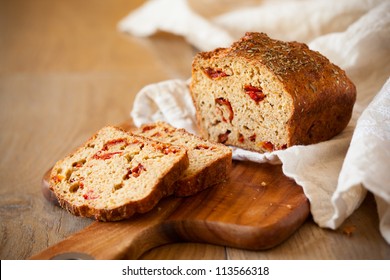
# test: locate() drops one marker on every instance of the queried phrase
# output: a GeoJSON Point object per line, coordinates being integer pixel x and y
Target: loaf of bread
{"type": "Point", "coordinates": [210, 163]}
{"type": "Point", "coordinates": [263, 94]}
{"type": "Point", "coordinates": [116, 174]}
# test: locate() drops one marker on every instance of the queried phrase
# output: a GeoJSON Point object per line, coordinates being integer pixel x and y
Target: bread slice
{"type": "Point", "coordinates": [210, 163]}
{"type": "Point", "coordinates": [263, 94]}
{"type": "Point", "coordinates": [116, 174]}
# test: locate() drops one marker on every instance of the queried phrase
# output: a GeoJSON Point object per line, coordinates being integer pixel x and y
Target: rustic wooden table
{"type": "Point", "coordinates": [65, 72]}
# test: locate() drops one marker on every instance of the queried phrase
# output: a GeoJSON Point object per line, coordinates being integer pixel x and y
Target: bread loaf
{"type": "Point", "coordinates": [116, 174]}
{"type": "Point", "coordinates": [263, 94]}
{"type": "Point", "coordinates": [210, 163]}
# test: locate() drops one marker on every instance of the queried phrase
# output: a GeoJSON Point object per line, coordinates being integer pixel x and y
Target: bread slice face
{"type": "Point", "coordinates": [116, 174]}
{"type": "Point", "coordinates": [263, 94]}
{"type": "Point", "coordinates": [209, 162]}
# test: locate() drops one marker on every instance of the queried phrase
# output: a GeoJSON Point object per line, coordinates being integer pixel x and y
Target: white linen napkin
{"type": "Point", "coordinates": [354, 34]}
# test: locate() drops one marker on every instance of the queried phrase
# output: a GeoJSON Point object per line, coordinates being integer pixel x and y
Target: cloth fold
{"type": "Point", "coordinates": [354, 34]}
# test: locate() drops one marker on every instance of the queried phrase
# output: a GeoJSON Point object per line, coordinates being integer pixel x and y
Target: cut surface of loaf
{"type": "Point", "coordinates": [263, 94]}
{"type": "Point", "coordinates": [116, 174]}
{"type": "Point", "coordinates": [209, 163]}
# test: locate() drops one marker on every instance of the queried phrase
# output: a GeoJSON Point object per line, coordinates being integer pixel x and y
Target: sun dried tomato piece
{"type": "Point", "coordinates": [90, 195]}
{"type": "Point", "coordinates": [157, 134]}
{"type": "Point", "coordinates": [100, 155]}
{"type": "Point", "coordinates": [71, 180]}
{"type": "Point", "coordinates": [169, 150]}
{"type": "Point", "coordinates": [223, 102]}
{"type": "Point", "coordinates": [256, 93]}
{"type": "Point", "coordinates": [268, 146]}
{"type": "Point", "coordinates": [114, 142]}
{"type": "Point", "coordinates": [135, 171]}
{"type": "Point", "coordinates": [165, 148]}
{"type": "Point", "coordinates": [271, 147]}
{"type": "Point", "coordinates": [203, 147]}
{"type": "Point", "coordinates": [283, 147]}
{"type": "Point", "coordinates": [252, 137]}
{"type": "Point", "coordinates": [222, 138]}
{"type": "Point", "coordinates": [214, 73]}
{"type": "Point", "coordinates": [148, 127]}
{"type": "Point", "coordinates": [241, 138]}
{"type": "Point", "coordinates": [58, 178]}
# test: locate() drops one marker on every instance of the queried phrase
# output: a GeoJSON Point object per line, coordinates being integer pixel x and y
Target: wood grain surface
{"type": "Point", "coordinates": [65, 72]}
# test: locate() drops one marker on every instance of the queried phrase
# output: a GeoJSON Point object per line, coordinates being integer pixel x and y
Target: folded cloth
{"type": "Point", "coordinates": [354, 34]}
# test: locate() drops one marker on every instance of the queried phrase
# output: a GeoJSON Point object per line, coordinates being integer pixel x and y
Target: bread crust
{"type": "Point", "coordinates": [215, 173]}
{"type": "Point", "coordinates": [322, 96]}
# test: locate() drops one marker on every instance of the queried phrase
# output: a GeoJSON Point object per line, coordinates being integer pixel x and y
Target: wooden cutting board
{"type": "Point", "coordinates": [257, 208]}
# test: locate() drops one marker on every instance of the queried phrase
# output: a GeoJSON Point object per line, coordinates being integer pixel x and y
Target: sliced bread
{"type": "Point", "coordinates": [116, 174]}
{"type": "Point", "coordinates": [210, 162]}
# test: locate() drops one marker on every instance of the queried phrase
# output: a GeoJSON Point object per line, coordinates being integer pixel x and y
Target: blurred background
{"type": "Point", "coordinates": [65, 72]}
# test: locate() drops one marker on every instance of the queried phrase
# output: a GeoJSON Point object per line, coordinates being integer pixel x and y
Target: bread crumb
{"type": "Point", "coordinates": [349, 230]}
{"type": "Point", "coordinates": [263, 184]}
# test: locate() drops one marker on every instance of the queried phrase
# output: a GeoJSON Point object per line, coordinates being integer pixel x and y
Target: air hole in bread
{"type": "Point", "coordinates": [79, 163]}
{"type": "Point", "coordinates": [74, 187]}
{"type": "Point", "coordinates": [127, 175]}
{"type": "Point", "coordinates": [68, 174]}
{"type": "Point", "coordinates": [128, 157]}
{"type": "Point", "coordinates": [118, 186]}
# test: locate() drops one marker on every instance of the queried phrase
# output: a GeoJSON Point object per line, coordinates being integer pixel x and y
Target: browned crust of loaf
{"type": "Point", "coordinates": [217, 172]}
{"type": "Point", "coordinates": [164, 188]}
{"type": "Point", "coordinates": [322, 94]}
